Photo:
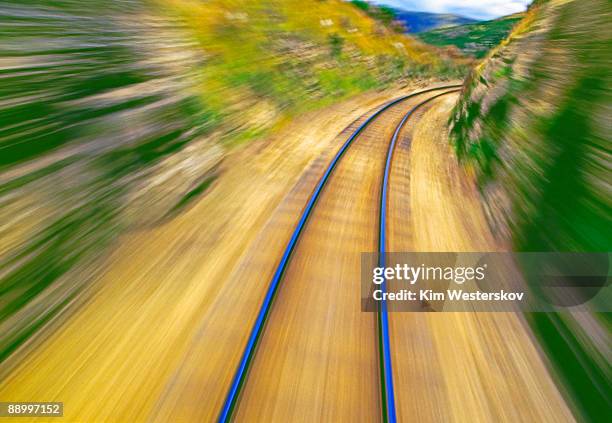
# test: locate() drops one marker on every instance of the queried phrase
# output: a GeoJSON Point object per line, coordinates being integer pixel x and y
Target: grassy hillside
{"type": "Point", "coordinates": [473, 39]}
{"type": "Point", "coordinates": [533, 125]}
{"type": "Point", "coordinates": [114, 115]}
{"type": "Point", "coordinates": [297, 58]}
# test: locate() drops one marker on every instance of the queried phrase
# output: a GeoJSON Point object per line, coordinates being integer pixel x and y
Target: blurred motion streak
{"type": "Point", "coordinates": [155, 157]}
{"type": "Point", "coordinates": [115, 116]}
{"type": "Point", "coordinates": [533, 126]}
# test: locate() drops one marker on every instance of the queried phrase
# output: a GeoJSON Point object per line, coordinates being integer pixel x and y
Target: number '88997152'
{"type": "Point", "coordinates": [33, 409]}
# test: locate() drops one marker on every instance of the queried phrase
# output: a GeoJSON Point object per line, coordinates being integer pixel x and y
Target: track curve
{"type": "Point", "coordinates": [258, 328]}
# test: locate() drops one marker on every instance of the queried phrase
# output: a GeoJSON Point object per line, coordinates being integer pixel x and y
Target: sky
{"type": "Point", "coordinates": [476, 9]}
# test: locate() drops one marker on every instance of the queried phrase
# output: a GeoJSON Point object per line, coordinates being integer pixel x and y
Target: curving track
{"type": "Point", "coordinates": [316, 343]}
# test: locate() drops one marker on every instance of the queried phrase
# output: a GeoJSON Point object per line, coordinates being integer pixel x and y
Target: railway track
{"type": "Point", "coordinates": [387, 396]}
{"type": "Point", "coordinates": [387, 391]}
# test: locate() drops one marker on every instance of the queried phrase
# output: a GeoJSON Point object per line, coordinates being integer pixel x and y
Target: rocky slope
{"type": "Point", "coordinates": [533, 124]}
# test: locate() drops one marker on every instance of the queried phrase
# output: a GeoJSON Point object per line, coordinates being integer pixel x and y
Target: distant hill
{"type": "Point", "coordinates": [409, 21]}
{"type": "Point", "coordinates": [474, 39]}
{"type": "Point", "coordinates": [423, 21]}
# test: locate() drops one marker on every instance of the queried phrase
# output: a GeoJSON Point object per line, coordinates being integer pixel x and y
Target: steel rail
{"type": "Point", "coordinates": [249, 352]}
{"type": "Point", "coordinates": [387, 392]}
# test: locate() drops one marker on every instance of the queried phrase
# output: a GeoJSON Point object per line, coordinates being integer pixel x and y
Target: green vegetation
{"type": "Point", "coordinates": [192, 195]}
{"type": "Point", "coordinates": [336, 42]}
{"type": "Point", "coordinates": [587, 382]}
{"type": "Point", "coordinates": [473, 39]}
{"type": "Point", "coordinates": [531, 124]}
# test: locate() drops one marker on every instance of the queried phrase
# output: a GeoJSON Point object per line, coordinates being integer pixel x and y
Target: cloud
{"type": "Point", "coordinates": [477, 9]}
